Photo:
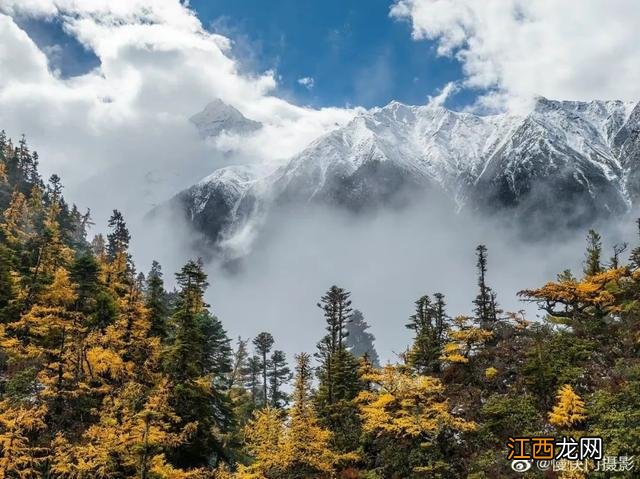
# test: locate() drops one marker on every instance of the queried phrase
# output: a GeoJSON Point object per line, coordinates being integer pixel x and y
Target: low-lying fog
{"type": "Point", "coordinates": [386, 260]}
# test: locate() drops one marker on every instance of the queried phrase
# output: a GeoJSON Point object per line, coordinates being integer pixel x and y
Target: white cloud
{"type": "Point", "coordinates": [307, 82]}
{"type": "Point", "coordinates": [124, 125]}
{"type": "Point", "coordinates": [519, 48]}
{"type": "Point", "coordinates": [444, 93]}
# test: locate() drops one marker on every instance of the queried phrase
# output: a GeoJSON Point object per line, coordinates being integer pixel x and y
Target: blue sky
{"type": "Point", "coordinates": [355, 53]}
{"type": "Point", "coordinates": [65, 53]}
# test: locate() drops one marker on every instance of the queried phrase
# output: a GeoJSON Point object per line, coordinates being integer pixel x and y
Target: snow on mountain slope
{"type": "Point", "coordinates": [626, 146]}
{"type": "Point", "coordinates": [563, 158]}
{"type": "Point", "coordinates": [218, 117]}
{"type": "Point", "coordinates": [559, 165]}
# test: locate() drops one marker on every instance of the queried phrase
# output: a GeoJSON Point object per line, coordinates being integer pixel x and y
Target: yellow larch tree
{"type": "Point", "coordinates": [129, 440]}
{"type": "Point", "coordinates": [52, 252]}
{"type": "Point", "coordinates": [17, 228]}
{"type": "Point", "coordinates": [301, 449]}
{"type": "Point", "coordinates": [401, 404]}
{"type": "Point", "coordinates": [20, 424]}
{"type": "Point", "coordinates": [55, 330]}
{"type": "Point", "coordinates": [20, 228]}
{"type": "Point", "coordinates": [115, 274]}
{"type": "Point", "coordinates": [17, 225]}
{"type": "Point", "coordinates": [569, 409]}
{"type": "Point", "coordinates": [464, 339]}
{"type": "Point", "coordinates": [582, 304]}
{"type": "Point", "coordinates": [307, 445]}
{"type": "Point", "coordinates": [125, 346]}
{"type": "Point", "coordinates": [264, 436]}
{"type": "Point", "coordinates": [3, 173]}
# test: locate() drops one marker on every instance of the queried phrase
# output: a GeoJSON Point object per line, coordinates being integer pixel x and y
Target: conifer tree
{"type": "Point", "coordinates": [157, 301]}
{"type": "Point", "coordinates": [618, 249]}
{"type": "Point", "coordinates": [465, 339]}
{"type": "Point", "coordinates": [338, 368]}
{"type": "Point", "coordinates": [279, 375]}
{"type": "Point", "coordinates": [486, 307]}
{"type": "Point", "coordinates": [299, 449]}
{"type": "Point", "coordinates": [135, 428]}
{"type": "Point", "coordinates": [195, 396]}
{"type": "Point", "coordinates": [263, 343]}
{"type": "Point", "coordinates": [592, 264]}
{"type": "Point", "coordinates": [84, 272]}
{"type": "Point", "coordinates": [359, 341]}
{"type": "Point", "coordinates": [307, 447]}
{"type": "Point", "coordinates": [569, 408]}
{"type": "Point", "coordinates": [52, 253]}
{"type": "Point", "coordinates": [240, 358]}
{"type": "Point", "coordinates": [440, 316]}
{"type": "Point", "coordinates": [428, 324]}
{"type": "Point", "coordinates": [17, 227]}
{"type": "Point", "coordinates": [217, 352]}
{"type": "Point", "coordinates": [264, 438]}
{"type": "Point", "coordinates": [7, 291]}
{"type": "Point", "coordinates": [20, 426]}
{"type": "Point", "coordinates": [338, 373]}
{"type": "Point", "coordinates": [99, 248]}
{"type": "Point", "coordinates": [403, 412]}
{"type": "Point", "coordinates": [119, 237]}
{"type": "Point", "coordinates": [52, 332]}
{"type": "Point", "coordinates": [239, 385]}
{"type": "Point", "coordinates": [252, 383]}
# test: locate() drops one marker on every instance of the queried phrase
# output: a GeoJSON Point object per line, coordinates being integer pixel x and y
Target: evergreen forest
{"type": "Point", "coordinates": [107, 373]}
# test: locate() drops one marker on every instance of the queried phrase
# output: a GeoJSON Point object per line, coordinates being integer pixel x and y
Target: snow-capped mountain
{"type": "Point", "coordinates": [563, 163]}
{"type": "Point", "coordinates": [218, 117]}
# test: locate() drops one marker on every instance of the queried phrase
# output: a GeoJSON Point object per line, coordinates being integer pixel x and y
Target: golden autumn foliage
{"type": "Point", "coordinates": [464, 339]}
{"type": "Point", "coordinates": [17, 225]}
{"type": "Point", "coordinates": [569, 409]}
{"type": "Point", "coordinates": [54, 329]}
{"type": "Point", "coordinates": [406, 405]}
{"type": "Point", "coordinates": [53, 253]}
{"type": "Point", "coordinates": [569, 297]}
{"type": "Point", "coordinates": [104, 376]}
{"type": "Point", "coordinates": [3, 173]}
{"type": "Point", "coordinates": [282, 449]}
{"type": "Point", "coordinates": [490, 372]}
{"type": "Point", "coordinates": [264, 437]}
{"type": "Point", "coordinates": [135, 426]}
{"type": "Point", "coordinates": [19, 427]}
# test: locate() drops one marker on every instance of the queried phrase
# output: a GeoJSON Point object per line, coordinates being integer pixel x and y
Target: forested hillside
{"type": "Point", "coordinates": [106, 374]}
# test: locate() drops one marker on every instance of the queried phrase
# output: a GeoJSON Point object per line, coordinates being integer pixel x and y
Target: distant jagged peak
{"type": "Point", "coordinates": [218, 116]}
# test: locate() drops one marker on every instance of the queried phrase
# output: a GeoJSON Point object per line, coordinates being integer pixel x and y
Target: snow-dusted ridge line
{"type": "Point", "coordinates": [585, 152]}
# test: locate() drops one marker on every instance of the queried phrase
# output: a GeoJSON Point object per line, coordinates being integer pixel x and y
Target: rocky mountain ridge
{"type": "Point", "coordinates": [560, 165]}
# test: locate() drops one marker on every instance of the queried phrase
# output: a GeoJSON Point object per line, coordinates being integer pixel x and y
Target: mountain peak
{"type": "Point", "coordinates": [537, 165]}
{"type": "Point", "coordinates": [218, 117]}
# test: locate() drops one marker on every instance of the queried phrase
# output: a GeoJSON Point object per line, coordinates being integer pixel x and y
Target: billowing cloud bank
{"type": "Point", "coordinates": [129, 116]}
{"type": "Point", "coordinates": [569, 50]}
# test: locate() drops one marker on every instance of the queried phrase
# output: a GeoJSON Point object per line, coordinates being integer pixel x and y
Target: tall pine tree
{"type": "Point", "coordinates": [486, 306]}
{"type": "Point", "coordinates": [263, 343]}
{"type": "Point", "coordinates": [157, 301]}
{"type": "Point", "coordinates": [192, 365]}
{"type": "Point", "coordinates": [279, 375]}
{"type": "Point", "coordinates": [429, 323]}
